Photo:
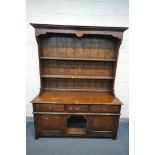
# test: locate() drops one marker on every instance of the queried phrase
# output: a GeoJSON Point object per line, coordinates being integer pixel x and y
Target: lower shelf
{"type": "Point", "coordinates": [72, 132]}
{"type": "Point", "coordinates": [76, 131]}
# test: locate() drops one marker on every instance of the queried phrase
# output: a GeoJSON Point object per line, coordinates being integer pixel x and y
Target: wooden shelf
{"type": "Point", "coordinates": [76, 97]}
{"type": "Point", "coordinates": [78, 131]}
{"type": "Point", "coordinates": [77, 59]}
{"type": "Point", "coordinates": [77, 76]}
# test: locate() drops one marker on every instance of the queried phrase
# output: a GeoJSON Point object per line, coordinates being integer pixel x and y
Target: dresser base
{"type": "Point", "coordinates": [76, 114]}
{"type": "Point", "coordinates": [57, 125]}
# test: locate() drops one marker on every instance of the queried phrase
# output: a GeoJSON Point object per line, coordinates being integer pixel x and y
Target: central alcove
{"type": "Point", "coordinates": [76, 124]}
{"type": "Point", "coordinates": [76, 121]}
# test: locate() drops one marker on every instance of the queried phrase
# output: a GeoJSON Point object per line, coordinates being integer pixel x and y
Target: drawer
{"type": "Point", "coordinates": [49, 107]}
{"type": "Point", "coordinates": [104, 108]}
{"type": "Point", "coordinates": [77, 108]}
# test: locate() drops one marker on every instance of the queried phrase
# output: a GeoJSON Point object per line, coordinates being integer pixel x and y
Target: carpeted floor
{"type": "Point", "coordinates": [78, 146]}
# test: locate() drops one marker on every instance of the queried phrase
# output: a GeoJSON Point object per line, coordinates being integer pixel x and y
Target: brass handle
{"type": "Point", "coordinates": [46, 117]}
{"type": "Point", "coordinates": [77, 108]}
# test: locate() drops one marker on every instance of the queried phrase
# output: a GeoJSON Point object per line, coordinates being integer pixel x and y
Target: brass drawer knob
{"type": "Point", "coordinates": [77, 108]}
{"type": "Point", "coordinates": [74, 108]}
{"type": "Point", "coordinates": [46, 118]}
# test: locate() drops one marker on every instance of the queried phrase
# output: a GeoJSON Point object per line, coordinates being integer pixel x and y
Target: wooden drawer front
{"type": "Point", "coordinates": [77, 108]}
{"type": "Point", "coordinates": [101, 123]}
{"type": "Point", "coordinates": [103, 108]}
{"type": "Point", "coordinates": [51, 122]}
{"type": "Point", "coordinates": [49, 107]}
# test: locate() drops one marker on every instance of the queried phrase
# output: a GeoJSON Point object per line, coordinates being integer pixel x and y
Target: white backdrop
{"type": "Point", "coordinates": [77, 12]}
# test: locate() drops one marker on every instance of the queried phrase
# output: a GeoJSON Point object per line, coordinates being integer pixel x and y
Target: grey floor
{"type": "Point", "coordinates": [78, 146]}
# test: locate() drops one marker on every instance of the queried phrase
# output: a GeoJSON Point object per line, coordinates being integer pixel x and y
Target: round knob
{"type": "Point", "coordinates": [70, 108]}
{"type": "Point", "coordinates": [46, 117]}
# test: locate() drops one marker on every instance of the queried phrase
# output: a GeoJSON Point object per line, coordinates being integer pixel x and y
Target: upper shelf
{"type": "Point", "coordinates": [77, 76]}
{"type": "Point", "coordinates": [78, 59]}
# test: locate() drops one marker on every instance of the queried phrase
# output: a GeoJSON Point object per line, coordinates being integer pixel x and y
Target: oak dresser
{"type": "Point", "coordinates": [77, 75]}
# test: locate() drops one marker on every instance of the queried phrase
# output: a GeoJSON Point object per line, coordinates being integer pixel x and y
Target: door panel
{"type": "Point", "coordinates": [100, 123]}
{"type": "Point", "coordinates": [51, 122]}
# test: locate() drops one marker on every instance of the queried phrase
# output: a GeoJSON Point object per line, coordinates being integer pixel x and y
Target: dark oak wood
{"type": "Point", "coordinates": [100, 123]}
{"type": "Point", "coordinates": [51, 122]}
{"type": "Point", "coordinates": [77, 74]}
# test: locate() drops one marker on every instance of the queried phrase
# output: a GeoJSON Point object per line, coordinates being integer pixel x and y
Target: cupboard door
{"type": "Point", "coordinates": [100, 123]}
{"type": "Point", "coordinates": [51, 122]}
